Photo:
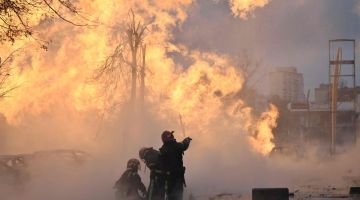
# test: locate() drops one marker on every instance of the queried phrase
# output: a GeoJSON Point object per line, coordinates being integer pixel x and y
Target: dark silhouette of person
{"type": "Point", "coordinates": [151, 157]}
{"type": "Point", "coordinates": [129, 186]}
{"type": "Point", "coordinates": [171, 154]}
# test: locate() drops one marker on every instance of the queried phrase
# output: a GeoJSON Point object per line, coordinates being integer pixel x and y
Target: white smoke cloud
{"type": "Point", "coordinates": [60, 112]}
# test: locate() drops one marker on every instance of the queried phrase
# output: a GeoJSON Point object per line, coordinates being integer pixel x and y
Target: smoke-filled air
{"type": "Point", "coordinates": [86, 84]}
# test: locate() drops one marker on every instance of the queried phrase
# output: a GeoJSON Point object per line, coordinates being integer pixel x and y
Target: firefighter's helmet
{"type": "Point", "coordinates": [167, 136]}
{"type": "Point", "coordinates": [133, 164]}
{"type": "Point", "coordinates": [143, 151]}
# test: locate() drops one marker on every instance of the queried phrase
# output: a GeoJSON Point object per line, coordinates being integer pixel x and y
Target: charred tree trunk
{"type": "Point", "coordinates": [135, 35]}
{"type": "Point", "coordinates": [133, 75]}
{"type": "Point", "coordinates": [126, 55]}
{"type": "Point", "coordinates": [142, 78]}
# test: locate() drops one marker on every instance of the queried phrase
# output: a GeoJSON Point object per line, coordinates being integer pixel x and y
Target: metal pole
{"type": "Point", "coordinates": [354, 77]}
{"type": "Point", "coordinates": [334, 99]}
{"type": "Point", "coordinates": [355, 97]}
{"type": "Point", "coordinates": [330, 97]}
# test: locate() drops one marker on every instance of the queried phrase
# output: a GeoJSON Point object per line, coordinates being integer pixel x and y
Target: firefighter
{"type": "Point", "coordinates": [130, 186]}
{"type": "Point", "coordinates": [171, 154]}
{"type": "Point", "coordinates": [151, 157]}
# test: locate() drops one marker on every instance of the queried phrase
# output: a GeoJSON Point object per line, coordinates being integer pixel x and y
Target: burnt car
{"type": "Point", "coordinates": [15, 169]}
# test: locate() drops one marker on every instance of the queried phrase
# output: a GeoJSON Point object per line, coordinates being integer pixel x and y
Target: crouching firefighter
{"type": "Point", "coordinates": [151, 157]}
{"type": "Point", "coordinates": [171, 154]}
{"type": "Point", "coordinates": [130, 186]}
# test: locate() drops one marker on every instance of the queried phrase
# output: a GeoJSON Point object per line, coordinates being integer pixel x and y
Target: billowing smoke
{"type": "Point", "coordinates": [58, 104]}
{"type": "Point", "coordinates": [60, 83]}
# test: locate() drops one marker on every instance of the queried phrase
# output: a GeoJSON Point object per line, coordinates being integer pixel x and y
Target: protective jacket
{"type": "Point", "coordinates": [129, 185]}
{"type": "Point", "coordinates": [156, 189]}
{"type": "Point", "coordinates": [171, 154]}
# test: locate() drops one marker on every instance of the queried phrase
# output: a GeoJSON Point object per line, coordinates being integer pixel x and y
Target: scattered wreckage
{"type": "Point", "coordinates": [14, 169]}
{"type": "Point", "coordinates": [307, 192]}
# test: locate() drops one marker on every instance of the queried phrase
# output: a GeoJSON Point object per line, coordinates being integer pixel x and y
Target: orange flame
{"type": "Point", "coordinates": [57, 82]}
{"type": "Point", "coordinates": [262, 141]}
{"type": "Point", "coordinates": [244, 8]}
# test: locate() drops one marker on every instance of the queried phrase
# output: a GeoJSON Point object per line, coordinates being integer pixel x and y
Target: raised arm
{"type": "Point", "coordinates": [184, 145]}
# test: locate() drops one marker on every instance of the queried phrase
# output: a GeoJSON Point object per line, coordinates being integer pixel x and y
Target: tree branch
{"type": "Point", "coordinates": [61, 17]}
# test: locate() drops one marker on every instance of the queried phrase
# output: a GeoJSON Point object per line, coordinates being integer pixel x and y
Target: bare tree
{"type": "Point", "coordinates": [5, 74]}
{"type": "Point", "coordinates": [250, 71]}
{"type": "Point", "coordinates": [128, 58]}
{"type": "Point", "coordinates": [16, 16]}
{"type": "Point", "coordinates": [135, 33]}
{"type": "Point", "coordinates": [248, 67]}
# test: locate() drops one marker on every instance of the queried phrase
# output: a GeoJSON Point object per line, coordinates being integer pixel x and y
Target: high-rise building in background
{"type": "Point", "coordinates": [322, 94]}
{"type": "Point", "coordinates": [287, 84]}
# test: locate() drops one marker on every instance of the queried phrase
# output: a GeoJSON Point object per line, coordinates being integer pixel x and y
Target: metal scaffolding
{"type": "Point", "coordinates": [335, 74]}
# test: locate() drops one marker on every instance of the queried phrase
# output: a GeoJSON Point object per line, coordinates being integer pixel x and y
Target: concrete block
{"type": "Point", "coordinates": [270, 194]}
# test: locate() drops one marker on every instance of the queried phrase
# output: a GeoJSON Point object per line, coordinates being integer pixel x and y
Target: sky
{"type": "Point", "coordinates": [283, 33]}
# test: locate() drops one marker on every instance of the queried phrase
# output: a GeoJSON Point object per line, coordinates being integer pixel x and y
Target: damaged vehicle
{"type": "Point", "coordinates": [15, 169]}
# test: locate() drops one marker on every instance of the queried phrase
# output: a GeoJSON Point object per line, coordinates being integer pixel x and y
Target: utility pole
{"type": "Point", "coordinates": [334, 96]}
{"type": "Point", "coordinates": [335, 73]}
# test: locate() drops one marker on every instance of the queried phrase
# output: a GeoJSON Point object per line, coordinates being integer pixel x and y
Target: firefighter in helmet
{"type": "Point", "coordinates": [130, 186]}
{"type": "Point", "coordinates": [151, 157]}
{"type": "Point", "coordinates": [171, 154]}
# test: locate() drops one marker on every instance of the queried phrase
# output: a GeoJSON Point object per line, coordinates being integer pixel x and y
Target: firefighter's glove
{"type": "Point", "coordinates": [187, 140]}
